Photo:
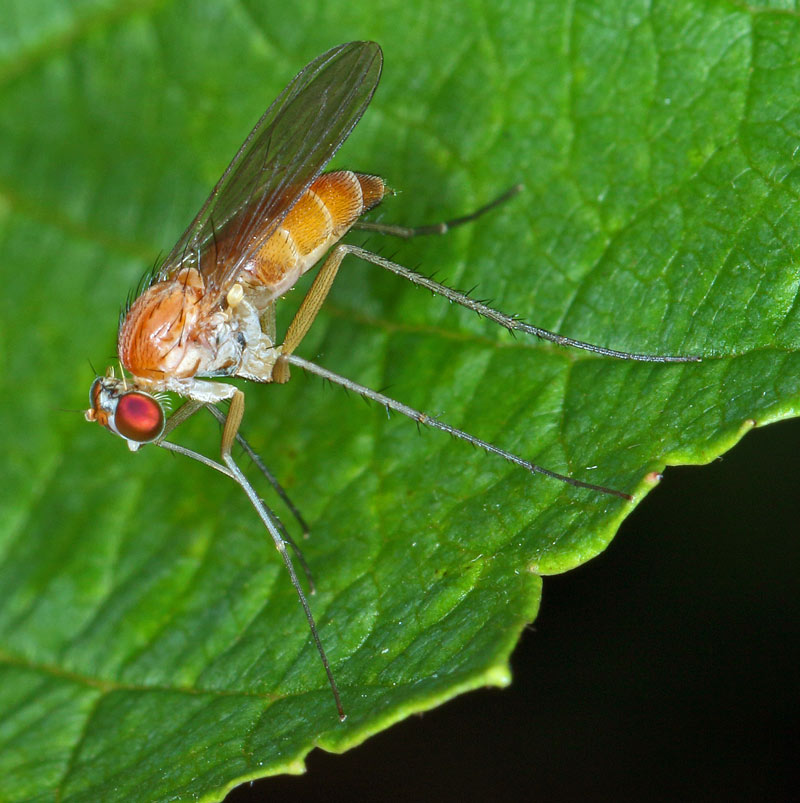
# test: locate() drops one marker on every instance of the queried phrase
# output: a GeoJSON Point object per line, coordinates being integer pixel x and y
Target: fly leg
{"type": "Point", "coordinates": [407, 232]}
{"type": "Point", "coordinates": [229, 432]}
{"type": "Point", "coordinates": [188, 409]}
{"type": "Point", "coordinates": [321, 286]}
{"type": "Point", "coordinates": [279, 489]}
{"type": "Point", "coordinates": [308, 310]}
{"type": "Point", "coordinates": [429, 421]}
{"type": "Point", "coordinates": [510, 322]}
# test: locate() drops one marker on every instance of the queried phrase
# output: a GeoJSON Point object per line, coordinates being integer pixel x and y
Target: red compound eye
{"type": "Point", "coordinates": [139, 417]}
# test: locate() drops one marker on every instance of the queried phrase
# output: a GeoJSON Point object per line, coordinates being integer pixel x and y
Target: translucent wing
{"type": "Point", "coordinates": [288, 148]}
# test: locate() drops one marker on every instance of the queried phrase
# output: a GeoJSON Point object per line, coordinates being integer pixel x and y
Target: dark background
{"type": "Point", "coordinates": [664, 669]}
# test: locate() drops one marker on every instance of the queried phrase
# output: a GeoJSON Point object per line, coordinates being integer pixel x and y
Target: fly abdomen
{"type": "Point", "coordinates": [321, 217]}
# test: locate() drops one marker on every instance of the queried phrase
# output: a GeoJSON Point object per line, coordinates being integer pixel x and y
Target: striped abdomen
{"type": "Point", "coordinates": [322, 215]}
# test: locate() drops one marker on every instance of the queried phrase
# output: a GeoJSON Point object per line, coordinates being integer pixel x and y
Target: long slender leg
{"type": "Point", "coordinates": [188, 409]}
{"type": "Point", "coordinates": [407, 232]}
{"type": "Point", "coordinates": [309, 308]}
{"type": "Point", "coordinates": [207, 461]}
{"type": "Point", "coordinates": [234, 419]}
{"type": "Point", "coordinates": [271, 478]}
{"type": "Point", "coordinates": [321, 286]}
{"type": "Point", "coordinates": [510, 322]}
{"type": "Point", "coordinates": [427, 420]}
{"type": "Point", "coordinates": [319, 290]}
{"type": "Point", "coordinates": [313, 301]}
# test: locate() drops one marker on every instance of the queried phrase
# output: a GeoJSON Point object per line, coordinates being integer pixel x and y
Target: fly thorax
{"type": "Point", "coordinates": [165, 332]}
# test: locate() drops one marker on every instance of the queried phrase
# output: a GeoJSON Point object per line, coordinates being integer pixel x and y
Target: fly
{"type": "Point", "coordinates": [208, 310]}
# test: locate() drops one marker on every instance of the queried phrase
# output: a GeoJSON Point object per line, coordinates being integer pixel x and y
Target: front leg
{"type": "Point", "coordinates": [229, 432]}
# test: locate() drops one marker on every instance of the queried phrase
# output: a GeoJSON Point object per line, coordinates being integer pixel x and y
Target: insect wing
{"type": "Point", "coordinates": [288, 148]}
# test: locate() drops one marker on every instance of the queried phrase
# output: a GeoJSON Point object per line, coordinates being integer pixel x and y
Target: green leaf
{"type": "Point", "coordinates": [151, 646]}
